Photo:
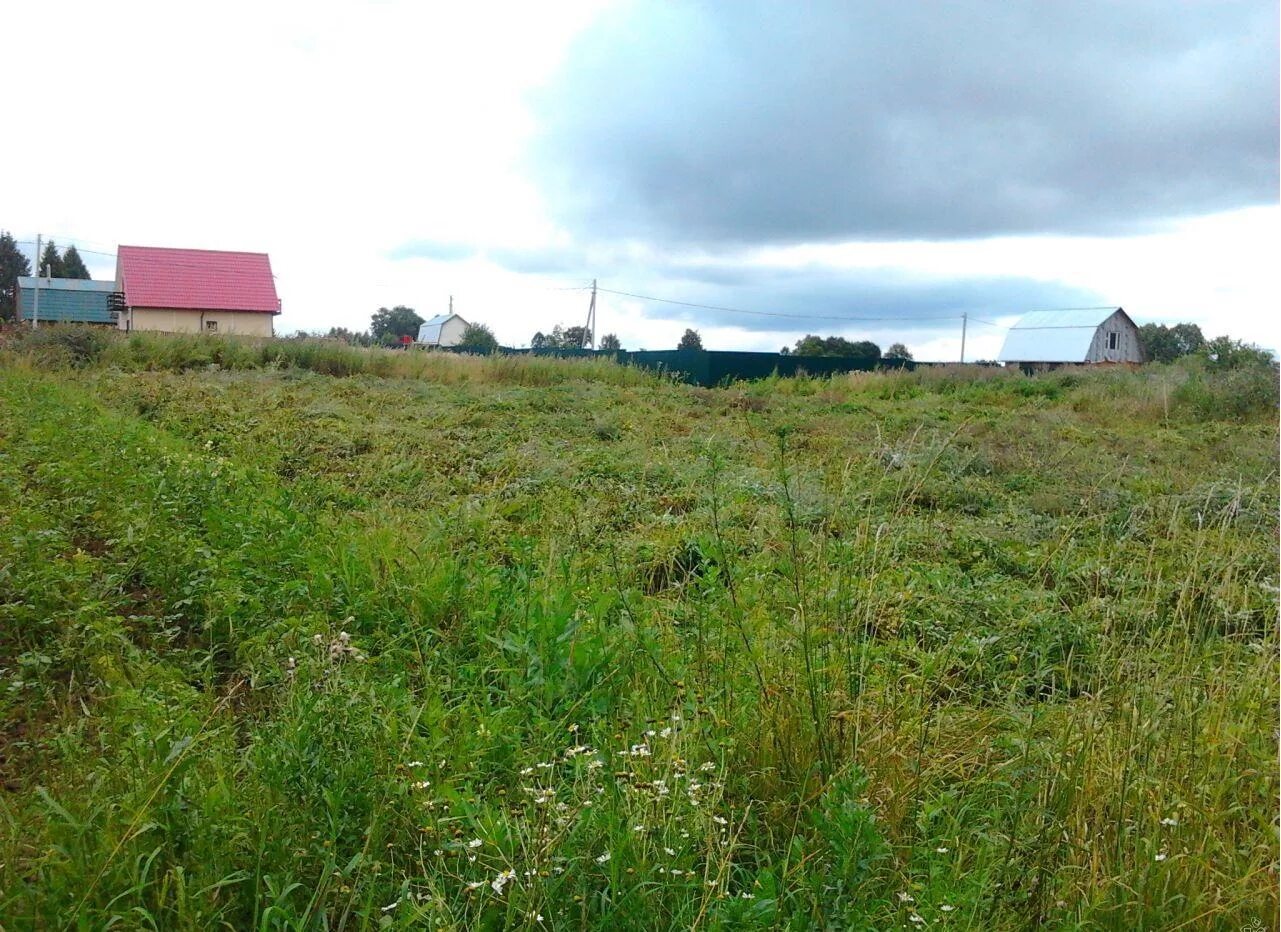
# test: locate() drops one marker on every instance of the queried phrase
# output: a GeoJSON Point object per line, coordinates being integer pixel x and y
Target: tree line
{"type": "Point", "coordinates": [1166, 344]}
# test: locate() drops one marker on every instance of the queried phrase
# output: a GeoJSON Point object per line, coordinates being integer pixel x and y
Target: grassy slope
{"type": "Point", "coordinates": [808, 653]}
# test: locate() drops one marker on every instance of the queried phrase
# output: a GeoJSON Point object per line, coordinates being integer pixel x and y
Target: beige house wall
{"type": "Point", "coordinates": [167, 320]}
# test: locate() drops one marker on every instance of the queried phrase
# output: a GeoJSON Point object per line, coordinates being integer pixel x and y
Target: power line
{"type": "Point", "coordinates": [95, 252]}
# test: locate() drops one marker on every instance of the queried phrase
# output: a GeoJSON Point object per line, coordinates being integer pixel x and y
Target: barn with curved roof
{"type": "Point", "coordinates": [1088, 335]}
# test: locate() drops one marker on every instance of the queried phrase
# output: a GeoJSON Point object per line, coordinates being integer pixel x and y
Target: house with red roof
{"type": "Point", "coordinates": [196, 291]}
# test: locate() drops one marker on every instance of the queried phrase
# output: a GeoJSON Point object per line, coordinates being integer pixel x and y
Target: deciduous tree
{"type": "Point", "coordinates": [478, 338]}
{"type": "Point", "coordinates": [811, 345]}
{"type": "Point", "coordinates": [389, 325]}
{"type": "Point", "coordinates": [690, 339]}
{"type": "Point", "coordinates": [1166, 344]}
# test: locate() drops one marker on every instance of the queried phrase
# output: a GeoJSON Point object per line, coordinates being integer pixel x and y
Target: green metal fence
{"type": "Point", "coordinates": [709, 368]}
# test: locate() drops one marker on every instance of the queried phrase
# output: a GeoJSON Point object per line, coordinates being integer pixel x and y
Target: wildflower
{"type": "Point", "coordinates": [915, 919]}
{"type": "Point", "coordinates": [947, 909]}
{"type": "Point", "coordinates": [501, 881]}
{"type": "Point", "coordinates": [475, 885]}
{"type": "Point", "coordinates": [422, 784]}
{"type": "Point", "coordinates": [390, 906]}
{"type": "Point", "coordinates": [665, 733]}
{"type": "Point", "coordinates": [638, 828]}
{"type": "Point", "coordinates": [604, 858]}
{"type": "Point", "coordinates": [1162, 856]}
{"type": "Point", "coordinates": [905, 897]}
{"type": "Point", "coordinates": [747, 896]}
{"type": "Point", "coordinates": [941, 850]}
{"type": "Point", "coordinates": [1170, 821]}
{"type": "Point", "coordinates": [414, 763]}
{"type": "Point", "coordinates": [720, 820]}
{"type": "Point", "coordinates": [707, 767]}
{"type": "Point", "coordinates": [669, 852]}
{"type": "Point", "coordinates": [475, 843]}
{"type": "Point", "coordinates": [527, 771]}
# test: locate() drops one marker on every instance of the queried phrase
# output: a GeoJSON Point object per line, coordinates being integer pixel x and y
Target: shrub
{"type": "Point", "coordinates": [73, 345]}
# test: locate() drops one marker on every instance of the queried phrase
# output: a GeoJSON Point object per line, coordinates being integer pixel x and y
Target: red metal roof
{"type": "Point", "coordinates": [200, 279]}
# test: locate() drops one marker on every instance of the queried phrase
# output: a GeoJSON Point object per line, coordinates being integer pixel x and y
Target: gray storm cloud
{"type": "Point", "coordinates": [725, 124]}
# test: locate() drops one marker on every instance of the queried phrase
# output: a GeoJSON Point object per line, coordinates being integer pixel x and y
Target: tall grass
{"type": "Point", "coordinates": [78, 346]}
{"type": "Point", "coordinates": [281, 650]}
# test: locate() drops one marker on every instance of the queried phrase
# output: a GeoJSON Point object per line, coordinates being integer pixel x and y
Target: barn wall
{"type": "Point", "coordinates": [87, 307]}
{"type": "Point", "coordinates": [169, 320]}
{"type": "Point", "coordinates": [1128, 346]}
{"type": "Point", "coordinates": [451, 331]}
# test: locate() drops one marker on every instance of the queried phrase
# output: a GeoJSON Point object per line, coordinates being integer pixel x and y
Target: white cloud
{"type": "Point", "coordinates": [330, 134]}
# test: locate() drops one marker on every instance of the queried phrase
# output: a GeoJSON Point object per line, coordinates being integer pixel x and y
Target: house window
{"type": "Point", "coordinates": [1114, 340]}
{"type": "Point", "coordinates": [211, 326]}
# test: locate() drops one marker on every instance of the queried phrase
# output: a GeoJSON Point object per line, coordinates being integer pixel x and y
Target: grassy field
{"type": "Point", "coordinates": [294, 636]}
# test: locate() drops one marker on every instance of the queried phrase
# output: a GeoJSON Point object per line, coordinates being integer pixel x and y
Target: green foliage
{"type": "Point", "coordinates": [62, 345]}
{"type": "Point", "coordinates": [610, 342]}
{"type": "Point", "coordinates": [1227, 353]}
{"type": "Point", "coordinates": [51, 264]}
{"type": "Point", "coordinates": [72, 265]}
{"type": "Point", "coordinates": [560, 338]}
{"type": "Point", "coordinates": [387, 326]}
{"type": "Point", "coordinates": [898, 351]}
{"type": "Point", "coordinates": [13, 264]}
{"type": "Point", "coordinates": [1166, 344]}
{"type": "Point", "coordinates": [690, 339]}
{"type": "Point", "coordinates": [350, 337]}
{"type": "Point", "coordinates": [477, 338]}
{"type": "Point", "coordinates": [811, 345]}
{"type": "Point", "coordinates": [461, 641]}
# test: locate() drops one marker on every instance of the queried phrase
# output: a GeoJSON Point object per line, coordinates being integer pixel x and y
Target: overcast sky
{"type": "Point", "coordinates": [872, 169]}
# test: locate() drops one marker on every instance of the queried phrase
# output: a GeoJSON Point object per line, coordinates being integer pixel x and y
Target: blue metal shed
{"type": "Point", "coordinates": [66, 300]}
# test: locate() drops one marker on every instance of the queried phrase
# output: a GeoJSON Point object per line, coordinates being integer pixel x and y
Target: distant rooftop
{"type": "Point", "coordinates": [1054, 336]}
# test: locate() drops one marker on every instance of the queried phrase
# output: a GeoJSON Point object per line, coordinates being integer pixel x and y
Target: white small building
{"type": "Point", "coordinates": [442, 330]}
{"type": "Point", "coordinates": [1048, 338]}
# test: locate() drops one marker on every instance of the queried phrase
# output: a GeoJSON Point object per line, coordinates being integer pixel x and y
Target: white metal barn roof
{"type": "Point", "coordinates": [429, 330]}
{"type": "Point", "coordinates": [1054, 336]}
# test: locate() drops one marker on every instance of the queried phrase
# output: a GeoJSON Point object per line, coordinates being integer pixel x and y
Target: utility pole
{"type": "Point", "coordinates": [451, 305]}
{"type": "Point", "coordinates": [35, 304]}
{"type": "Point", "coordinates": [589, 331]}
{"type": "Point", "coordinates": [965, 319]}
